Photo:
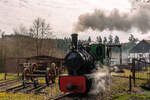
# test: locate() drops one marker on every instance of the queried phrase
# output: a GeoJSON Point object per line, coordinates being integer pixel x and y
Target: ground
{"type": "Point", "coordinates": [51, 91]}
{"type": "Point", "coordinates": [119, 90]}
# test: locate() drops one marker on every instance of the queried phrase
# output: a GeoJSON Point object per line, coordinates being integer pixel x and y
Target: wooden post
{"type": "Point", "coordinates": [5, 71]}
{"type": "Point", "coordinates": [130, 83]}
{"type": "Point", "coordinates": [5, 76]}
{"type": "Point", "coordinates": [18, 67]}
{"type": "Point", "coordinates": [133, 71]}
{"type": "Point", "coordinates": [120, 55]}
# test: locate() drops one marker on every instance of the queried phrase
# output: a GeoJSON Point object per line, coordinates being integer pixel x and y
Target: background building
{"type": "Point", "coordinates": [141, 50]}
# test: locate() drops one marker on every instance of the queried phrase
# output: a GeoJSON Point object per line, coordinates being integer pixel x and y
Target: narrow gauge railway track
{"type": "Point", "coordinates": [39, 88]}
{"type": "Point", "coordinates": [17, 88]}
{"type": "Point", "coordinates": [60, 97]}
{"type": "Point", "coordinates": [36, 89]}
{"type": "Point", "coordinates": [9, 82]}
{"type": "Point", "coordinates": [5, 86]}
{"type": "Point", "coordinates": [71, 96]}
{"type": "Point", "coordinates": [27, 89]}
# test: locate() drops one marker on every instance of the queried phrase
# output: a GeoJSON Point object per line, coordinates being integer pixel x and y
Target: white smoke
{"type": "Point", "coordinates": [100, 81]}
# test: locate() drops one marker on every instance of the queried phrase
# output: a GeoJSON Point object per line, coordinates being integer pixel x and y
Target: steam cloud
{"type": "Point", "coordinates": [138, 17]}
{"type": "Point", "coordinates": [101, 80]}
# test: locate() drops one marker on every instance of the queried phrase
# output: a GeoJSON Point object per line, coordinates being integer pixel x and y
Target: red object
{"type": "Point", "coordinates": [75, 84]}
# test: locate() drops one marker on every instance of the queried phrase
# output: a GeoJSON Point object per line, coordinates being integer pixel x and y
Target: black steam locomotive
{"type": "Point", "coordinates": [80, 61]}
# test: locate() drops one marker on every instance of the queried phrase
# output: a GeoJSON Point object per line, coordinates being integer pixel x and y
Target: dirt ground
{"type": "Point", "coordinates": [119, 90]}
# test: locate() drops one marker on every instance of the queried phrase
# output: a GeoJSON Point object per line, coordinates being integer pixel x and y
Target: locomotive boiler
{"type": "Point", "coordinates": [81, 61]}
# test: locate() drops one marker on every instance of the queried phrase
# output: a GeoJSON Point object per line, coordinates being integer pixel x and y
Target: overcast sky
{"type": "Point", "coordinates": [61, 14]}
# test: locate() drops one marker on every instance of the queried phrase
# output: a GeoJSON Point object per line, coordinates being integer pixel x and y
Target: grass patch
{"type": "Point", "coordinates": [120, 87]}
{"type": "Point", "coordinates": [128, 72]}
{"type": "Point", "coordinates": [130, 97]}
{"type": "Point", "coordinates": [10, 76]}
{"type": "Point", "coordinates": [121, 97]}
{"type": "Point", "coordinates": [20, 96]}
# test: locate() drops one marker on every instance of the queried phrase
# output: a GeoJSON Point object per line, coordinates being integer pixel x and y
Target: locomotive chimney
{"type": "Point", "coordinates": [74, 41]}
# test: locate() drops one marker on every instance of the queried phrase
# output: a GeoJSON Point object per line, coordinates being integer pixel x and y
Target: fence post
{"type": "Point", "coordinates": [5, 76]}
{"type": "Point", "coordinates": [18, 67]}
{"type": "Point", "coordinates": [130, 83]}
{"type": "Point", "coordinates": [5, 71]}
{"type": "Point", "coordinates": [120, 55]}
{"type": "Point", "coordinates": [133, 71]}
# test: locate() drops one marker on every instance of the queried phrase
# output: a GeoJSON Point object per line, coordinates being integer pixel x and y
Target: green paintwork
{"type": "Point", "coordinates": [93, 49]}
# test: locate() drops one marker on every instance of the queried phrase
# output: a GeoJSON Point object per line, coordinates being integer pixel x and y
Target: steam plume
{"type": "Point", "coordinates": [101, 80]}
{"type": "Point", "coordinates": [138, 17]}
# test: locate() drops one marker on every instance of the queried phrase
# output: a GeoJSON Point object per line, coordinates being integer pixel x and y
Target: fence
{"type": "Point", "coordinates": [140, 70]}
{"type": "Point", "coordinates": [13, 67]}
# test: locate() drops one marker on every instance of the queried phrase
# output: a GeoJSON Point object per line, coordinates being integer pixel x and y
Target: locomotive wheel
{"type": "Point", "coordinates": [26, 71]}
{"type": "Point", "coordinates": [25, 78]}
{"type": "Point", "coordinates": [48, 77]}
{"type": "Point", "coordinates": [34, 68]}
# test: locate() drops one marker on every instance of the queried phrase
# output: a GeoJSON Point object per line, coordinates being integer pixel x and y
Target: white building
{"type": "Point", "coordinates": [141, 50]}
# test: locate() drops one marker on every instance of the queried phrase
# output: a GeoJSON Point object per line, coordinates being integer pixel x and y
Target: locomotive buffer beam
{"type": "Point", "coordinates": [35, 75]}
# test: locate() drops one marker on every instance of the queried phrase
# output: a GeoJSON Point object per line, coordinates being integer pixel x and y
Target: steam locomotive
{"type": "Point", "coordinates": [81, 61]}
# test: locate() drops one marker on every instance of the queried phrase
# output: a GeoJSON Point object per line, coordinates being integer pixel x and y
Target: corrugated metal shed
{"type": "Point", "coordinates": [142, 47]}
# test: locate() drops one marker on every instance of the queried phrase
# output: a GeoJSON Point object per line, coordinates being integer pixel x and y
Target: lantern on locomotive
{"type": "Point", "coordinates": [79, 62]}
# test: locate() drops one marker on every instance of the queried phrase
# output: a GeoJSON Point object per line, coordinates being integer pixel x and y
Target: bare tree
{"type": "Point", "coordinates": [21, 30]}
{"type": "Point", "coordinates": [40, 30]}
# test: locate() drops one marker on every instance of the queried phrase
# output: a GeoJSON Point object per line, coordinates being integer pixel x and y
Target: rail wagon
{"type": "Point", "coordinates": [41, 66]}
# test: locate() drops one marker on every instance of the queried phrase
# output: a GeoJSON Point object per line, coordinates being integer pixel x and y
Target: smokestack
{"type": "Point", "coordinates": [74, 40]}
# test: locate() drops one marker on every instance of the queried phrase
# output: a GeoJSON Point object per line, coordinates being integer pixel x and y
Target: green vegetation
{"type": "Point", "coordinates": [20, 96]}
{"type": "Point", "coordinates": [119, 97]}
{"type": "Point", "coordinates": [128, 72]}
{"type": "Point", "coordinates": [10, 76]}
{"type": "Point", "coordinates": [130, 96]}
{"type": "Point", "coordinates": [120, 88]}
